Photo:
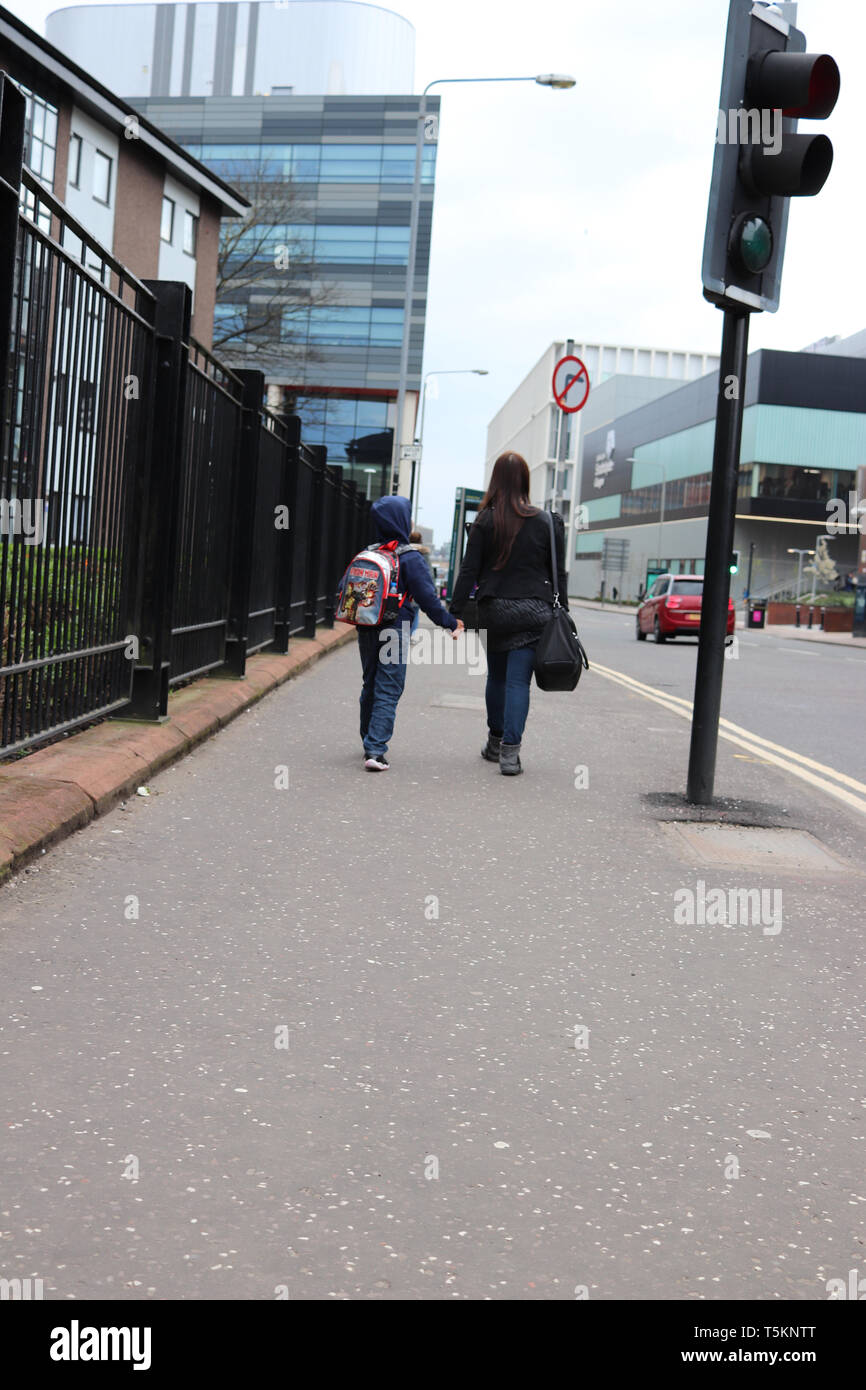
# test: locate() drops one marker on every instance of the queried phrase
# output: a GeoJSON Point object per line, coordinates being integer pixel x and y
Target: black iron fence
{"type": "Point", "coordinates": [156, 521]}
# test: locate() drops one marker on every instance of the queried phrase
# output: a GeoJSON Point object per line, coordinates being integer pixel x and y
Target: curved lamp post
{"type": "Point", "coordinates": [558, 81]}
{"type": "Point", "coordinates": [415, 498]}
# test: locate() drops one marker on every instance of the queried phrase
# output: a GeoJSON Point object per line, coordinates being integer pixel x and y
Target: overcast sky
{"type": "Point", "coordinates": [581, 213]}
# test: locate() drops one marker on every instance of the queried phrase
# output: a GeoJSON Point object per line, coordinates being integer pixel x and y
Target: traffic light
{"type": "Point", "coordinates": [769, 82]}
{"type": "Point", "coordinates": [734, 565]}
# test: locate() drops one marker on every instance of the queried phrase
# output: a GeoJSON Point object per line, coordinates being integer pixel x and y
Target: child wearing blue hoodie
{"type": "Point", "coordinates": [384, 679]}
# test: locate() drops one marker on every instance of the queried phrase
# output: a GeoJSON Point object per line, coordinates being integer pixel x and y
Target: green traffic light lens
{"type": "Point", "coordinates": [752, 243]}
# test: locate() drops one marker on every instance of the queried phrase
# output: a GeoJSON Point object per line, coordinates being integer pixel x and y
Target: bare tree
{"type": "Point", "coordinates": [266, 268]}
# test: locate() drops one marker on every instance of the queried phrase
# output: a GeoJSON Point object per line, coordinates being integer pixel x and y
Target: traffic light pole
{"type": "Point", "coordinates": [720, 541]}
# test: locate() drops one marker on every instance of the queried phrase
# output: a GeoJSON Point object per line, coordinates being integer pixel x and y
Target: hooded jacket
{"type": "Point", "coordinates": [392, 518]}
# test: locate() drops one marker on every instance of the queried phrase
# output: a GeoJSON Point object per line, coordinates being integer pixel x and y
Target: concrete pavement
{"type": "Point", "coordinates": [53, 791]}
{"type": "Point", "coordinates": [321, 1037]}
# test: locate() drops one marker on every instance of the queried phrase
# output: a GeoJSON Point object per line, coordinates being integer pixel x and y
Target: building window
{"type": "Point", "coordinates": [166, 226]}
{"type": "Point", "coordinates": [354, 431]}
{"type": "Point", "coordinates": [74, 173]}
{"type": "Point", "coordinates": [87, 406]}
{"type": "Point", "coordinates": [794, 483]}
{"type": "Point", "coordinates": [190, 232]}
{"type": "Point", "coordinates": [325, 163]}
{"type": "Point", "coordinates": [40, 137]}
{"type": "Point", "coordinates": [386, 327]}
{"type": "Point", "coordinates": [680, 494]}
{"type": "Point", "coordinates": [229, 321]}
{"type": "Point", "coordinates": [392, 245]}
{"type": "Point", "coordinates": [102, 178]}
{"type": "Point", "coordinates": [351, 326]}
{"type": "Point", "coordinates": [40, 149]}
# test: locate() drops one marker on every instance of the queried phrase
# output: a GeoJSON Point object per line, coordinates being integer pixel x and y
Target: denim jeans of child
{"type": "Point", "coordinates": [508, 678]}
{"type": "Point", "coordinates": [383, 682]}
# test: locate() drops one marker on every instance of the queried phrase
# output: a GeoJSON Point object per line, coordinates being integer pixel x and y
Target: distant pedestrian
{"type": "Point", "coordinates": [385, 650]}
{"type": "Point", "coordinates": [508, 556]}
{"type": "Point", "coordinates": [615, 592]}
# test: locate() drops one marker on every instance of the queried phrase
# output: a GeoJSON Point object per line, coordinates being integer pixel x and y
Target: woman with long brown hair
{"type": "Point", "coordinates": [508, 557]}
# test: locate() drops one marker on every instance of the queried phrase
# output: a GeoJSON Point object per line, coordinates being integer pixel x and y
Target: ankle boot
{"type": "Point", "coordinates": [509, 759]}
{"type": "Point", "coordinates": [490, 751]}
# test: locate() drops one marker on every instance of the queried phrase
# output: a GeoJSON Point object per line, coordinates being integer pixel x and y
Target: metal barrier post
{"type": "Point", "coordinates": [315, 538]}
{"type": "Point", "coordinates": [334, 544]}
{"type": "Point", "coordinates": [159, 498]}
{"type": "Point", "coordinates": [13, 109]}
{"type": "Point", "coordinates": [282, 622]}
{"type": "Point", "coordinates": [245, 493]}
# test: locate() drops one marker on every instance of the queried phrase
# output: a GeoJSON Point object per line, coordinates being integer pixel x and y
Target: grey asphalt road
{"type": "Point", "coordinates": [321, 1039]}
{"type": "Point", "coordinates": [807, 696]}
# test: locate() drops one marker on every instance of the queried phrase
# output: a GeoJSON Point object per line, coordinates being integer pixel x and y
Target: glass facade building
{"type": "Point", "coordinates": [314, 287]}
{"type": "Point", "coordinates": [346, 165]}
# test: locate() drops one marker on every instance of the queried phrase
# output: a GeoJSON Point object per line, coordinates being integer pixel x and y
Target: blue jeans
{"type": "Point", "coordinates": [508, 678]}
{"type": "Point", "coordinates": [383, 683]}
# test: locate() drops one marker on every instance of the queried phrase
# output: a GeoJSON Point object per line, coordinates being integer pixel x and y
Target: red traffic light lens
{"type": "Point", "coordinates": [798, 84]}
{"type": "Point", "coordinates": [823, 89]}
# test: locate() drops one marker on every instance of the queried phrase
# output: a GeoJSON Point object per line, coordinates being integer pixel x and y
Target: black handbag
{"type": "Point", "coordinates": [470, 616]}
{"type": "Point", "coordinates": [560, 659]}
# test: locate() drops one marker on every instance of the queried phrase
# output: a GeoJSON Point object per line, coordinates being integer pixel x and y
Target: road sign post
{"type": "Point", "coordinates": [409, 453]}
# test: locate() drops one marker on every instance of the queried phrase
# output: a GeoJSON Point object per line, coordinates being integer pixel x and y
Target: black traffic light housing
{"type": "Point", "coordinates": [734, 564]}
{"type": "Point", "coordinates": [769, 82]}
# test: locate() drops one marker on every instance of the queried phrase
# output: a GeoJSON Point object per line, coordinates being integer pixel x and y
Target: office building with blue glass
{"type": "Point", "coordinates": [290, 97]}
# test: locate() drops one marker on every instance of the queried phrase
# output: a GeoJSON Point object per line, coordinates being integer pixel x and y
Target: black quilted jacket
{"type": "Point", "coordinates": [527, 573]}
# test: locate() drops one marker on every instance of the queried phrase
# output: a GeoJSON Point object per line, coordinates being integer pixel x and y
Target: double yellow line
{"type": "Point", "coordinates": [826, 779]}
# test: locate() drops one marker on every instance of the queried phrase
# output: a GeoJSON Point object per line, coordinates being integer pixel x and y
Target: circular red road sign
{"type": "Point", "coordinates": [565, 380]}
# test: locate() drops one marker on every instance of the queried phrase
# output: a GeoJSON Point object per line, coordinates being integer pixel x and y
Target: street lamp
{"type": "Point", "coordinates": [654, 463]}
{"type": "Point", "coordinates": [419, 438]}
{"type": "Point", "coordinates": [558, 81]}
{"type": "Point", "coordinates": [792, 550]}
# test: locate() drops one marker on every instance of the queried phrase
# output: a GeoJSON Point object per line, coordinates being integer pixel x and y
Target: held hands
{"type": "Point", "coordinates": [458, 629]}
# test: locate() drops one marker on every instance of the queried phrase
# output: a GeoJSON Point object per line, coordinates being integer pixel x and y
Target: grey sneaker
{"type": "Point", "coordinates": [376, 762]}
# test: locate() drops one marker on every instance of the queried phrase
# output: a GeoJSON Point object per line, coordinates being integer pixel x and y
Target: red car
{"type": "Point", "coordinates": [673, 606]}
